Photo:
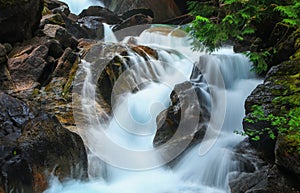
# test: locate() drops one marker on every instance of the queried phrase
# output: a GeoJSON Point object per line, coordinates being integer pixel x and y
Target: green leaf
{"type": "Point", "coordinates": [202, 19]}
{"type": "Point", "coordinates": [248, 31]}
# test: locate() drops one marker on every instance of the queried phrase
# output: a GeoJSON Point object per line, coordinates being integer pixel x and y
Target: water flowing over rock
{"type": "Point", "coordinates": [280, 172]}
{"type": "Point", "coordinates": [169, 120]}
{"type": "Point", "coordinates": [115, 65]}
{"type": "Point", "coordinates": [19, 20]}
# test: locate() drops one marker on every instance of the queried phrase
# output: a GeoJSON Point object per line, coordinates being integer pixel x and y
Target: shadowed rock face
{"type": "Point", "coordinates": [31, 148]}
{"type": "Point", "coordinates": [256, 175]}
{"type": "Point", "coordinates": [181, 111]}
{"type": "Point", "coordinates": [280, 171]}
{"type": "Point", "coordinates": [19, 19]}
{"type": "Point", "coordinates": [162, 9]}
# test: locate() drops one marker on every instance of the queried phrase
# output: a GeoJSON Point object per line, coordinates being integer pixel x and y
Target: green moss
{"type": "Point", "coordinates": [57, 19]}
{"type": "Point", "coordinates": [293, 141]}
{"type": "Point", "coordinates": [46, 11]}
{"type": "Point", "coordinates": [69, 83]}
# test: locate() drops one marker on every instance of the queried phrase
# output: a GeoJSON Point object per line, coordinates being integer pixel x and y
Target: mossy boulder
{"type": "Point", "coordinates": [286, 155]}
{"type": "Point", "coordinates": [272, 117]}
{"type": "Point", "coordinates": [278, 95]}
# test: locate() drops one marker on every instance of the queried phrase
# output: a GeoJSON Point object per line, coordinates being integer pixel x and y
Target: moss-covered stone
{"type": "Point", "coordinates": [277, 115]}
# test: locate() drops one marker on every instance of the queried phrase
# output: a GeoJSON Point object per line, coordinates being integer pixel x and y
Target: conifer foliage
{"type": "Point", "coordinates": [218, 21]}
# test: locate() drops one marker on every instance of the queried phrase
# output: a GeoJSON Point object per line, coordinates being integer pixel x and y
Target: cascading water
{"type": "Point", "coordinates": [108, 35]}
{"type": "Point", "coordinates": [76, 6]}
{"type": "Point", "coordinates": [206, 166]}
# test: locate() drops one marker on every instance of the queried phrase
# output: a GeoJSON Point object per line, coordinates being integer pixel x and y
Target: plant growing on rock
{"type": "Point", "coordinates": [287, 124]}
{"type": "Point", "coordinates": [219, 21]}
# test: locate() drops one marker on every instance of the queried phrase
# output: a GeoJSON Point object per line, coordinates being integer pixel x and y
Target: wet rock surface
{"type": "Point", "coordinates": [257, 175]}
{"type": "Point", "coordinates": [19, 20]}
{"type": "Point", "coordinates": [181, 115]}
{"type": "Point", "coordinates": [34, 146]}
{"type": "Point", "coordinates": [37, 76]}
{"type": "Point", "coordinates": [162, 10]}
{"type": "Point", "coordinates": [277, 96]}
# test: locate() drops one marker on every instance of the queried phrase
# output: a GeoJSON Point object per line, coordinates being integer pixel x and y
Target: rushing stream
{"type": "Point", "coordinates": [76, 6]}
{"type": "Point", "coordinates": [140, 167]}
{"type": "Point", "coordinates": [122, 158]}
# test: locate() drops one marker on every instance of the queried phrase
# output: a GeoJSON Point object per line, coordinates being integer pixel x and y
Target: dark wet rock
{"type": "Point", "coordinates": [182, 5]}
{"type": "Point", "coordinates": [188, 103]}
{"type": "Point", "coordinates": [26, 69]}
{"type": "Point", "coordinates": [109, 62]}
{"type": "Point", "coordinates": [107, 16]}
{"type": "Point", "coordinates": [137, 19]}
{"type": "Point", "coordinates": [162, 9]}
{"type": "Point", "coordinates": [65, 63]}
{"type": "Point", "coordinates": [132, 12]}
{"type": "Point", "coordinates": [6, 82]}
{"type": "Point", "coordinates": [60, 34]}
{"type": "Point", "coordinates": [14, 113]}
{"type": "Point", "coordinates": [44, 147]}
{"type": "Point", "coordinates": [93, 26]}
{"type": "Point", "coordinates": [8, 47]}
{"type": "Point", "coordinates": [74, 28]}
{"type": "Point", "coordinates": [266, 180]}
{"type": "Point", "coordinates": [53, 4]}
{"type": "Point", "coordinates": [3, 56]}
{"type": "Point", "coordinates": [180, 20]}
{"type": "Point", "coordinates": [55, 19]}
{"type": "Point", "coordinates": [256, 175]}
{"type": "Point", "coordinates": [55, 49]}
{"type": "Point", "coordinates": [286, 157]}
{"type": "Point", "coordinates": [278, 83]}
{"type": "Point", "coordinates": [45, 134]}
{"type": "Point", "coordinates": [51, 29]}
{"type": "Point", "coordinates": [66, 39]}
{"type": "Point", "coordinates": [19, 20]}
{"type": "Point", "coordinates": [188, 106]}
{"type": "Point", "coordinates": [145, 51]}
{"type": "Point", "coordinates": [62, 9]}
{"type": "Point", "coordinates": [279, 39]}
{"type": "Point", "coordinates": [248, 159]}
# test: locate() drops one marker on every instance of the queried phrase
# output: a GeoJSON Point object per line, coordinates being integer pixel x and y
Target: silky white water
{"type": "Point", "coordinates": [205, 167]}
{"type": "Point", "coordinates": [108, 35]}
{"type": "Point", "coordinates": [76, 6]}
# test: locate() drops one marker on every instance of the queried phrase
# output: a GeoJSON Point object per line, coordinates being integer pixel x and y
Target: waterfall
{"type": "Point", "coordinates": [109, 35]}
{"type": "Point", "coordinates": [136, 166]}
{"type": "Point", "coordinates": [76, 6]}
